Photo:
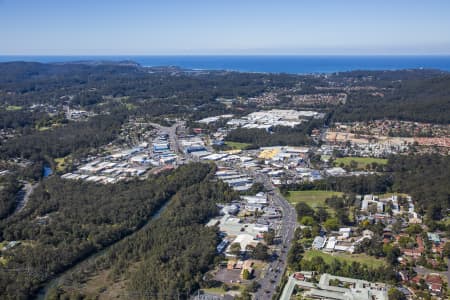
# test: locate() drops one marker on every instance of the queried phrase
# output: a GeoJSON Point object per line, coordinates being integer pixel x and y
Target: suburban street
{"type": "Point", "coordinates": [424, 271]}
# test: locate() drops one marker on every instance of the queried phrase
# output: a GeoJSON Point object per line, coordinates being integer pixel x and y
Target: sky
{"type": "Point", "coordinates": [146, 27]}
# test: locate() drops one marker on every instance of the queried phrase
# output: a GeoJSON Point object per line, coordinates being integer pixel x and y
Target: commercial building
{"type": "Point", "coordinates": [335, 288]}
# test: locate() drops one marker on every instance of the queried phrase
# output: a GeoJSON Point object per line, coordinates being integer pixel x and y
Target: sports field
{"type": "Point", "coordinates": [362, 162]}
{"type": "Point", "coordinates": [312, 198]}
{"type": "Point", "coordinates": [13, 107]}
{"type": "Point", "coordinates": [237, 146]}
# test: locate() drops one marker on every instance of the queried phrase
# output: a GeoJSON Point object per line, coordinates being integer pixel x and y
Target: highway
{"type": "Point", "coordinates": [275, 269]}
{"type": "Point", "coordinates": [172, 132]}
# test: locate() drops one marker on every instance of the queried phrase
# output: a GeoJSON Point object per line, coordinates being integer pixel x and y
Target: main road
{"type": "Point", "coordinates": [172, 132]}
{"type": "Point", "coordinates": [275, 269]}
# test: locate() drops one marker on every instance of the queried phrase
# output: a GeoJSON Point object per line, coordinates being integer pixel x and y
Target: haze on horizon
{"type": "Point", "coordinates": [140, 27]}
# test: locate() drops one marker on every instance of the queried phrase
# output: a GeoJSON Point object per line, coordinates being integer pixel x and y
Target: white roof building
{"type": "Point", "coordinates": [255, 199]}
{"type": "Point", "coordinates": [335, 171]}
{"type": "Point", "coordinates": [243, 240]}
{"type": "Point", "coordinates": [331, 243]}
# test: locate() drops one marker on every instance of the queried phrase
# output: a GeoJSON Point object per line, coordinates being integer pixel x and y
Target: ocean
{"type": "Point", "coordinates": [295, 64]}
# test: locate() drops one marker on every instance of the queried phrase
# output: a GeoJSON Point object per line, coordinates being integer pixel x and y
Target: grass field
{"type": "Point", "coordinates": [61, 163]}
{"type": "Point", "coordinates": [13, 107]}
{"type": "Point", "coordinates": [130, 106]}
{"type": "Point", "coordinates": [312, 198]}
{"type": "Point", "coordinates": [236, 145]}
{"type": "Point", "coordinates": [387, 195]}
{"type": "Point", "coordinates": [361, 161]}
{"type": "Point", "coordinates": [446, 221]}
{"type": "Point", "coordinates": [214, 290]}
{"type": "Point", "coordinates": [3, 261]}
{"type": "Point", "coordinates": [362, 258]}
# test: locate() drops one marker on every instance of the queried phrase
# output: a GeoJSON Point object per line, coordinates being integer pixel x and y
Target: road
{"type": "Point", "coordinates": [275, 269]}
{"type": "Point", "coordinates": [424, 271]}
{"type": "Point", "coordinates": [23, 196]}
{"type": "Point", "coordinates": [172, 132]}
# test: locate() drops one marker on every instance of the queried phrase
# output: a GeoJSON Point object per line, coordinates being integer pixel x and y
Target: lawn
{"type": "Point", "coordinates": [61, 163]}
{"type": "Point", "coordinates": [312, 198]}
{"type": "Point", "coordinates": [214, 290]}
{"type": "Point", "coordinates": [362, 258]}
{"type": "Point", "coordinates": [3, 261]}
{"type": "Point", "coordinates": [387, 195]}
{"type": "Point", "coordinates": [361, 161]}
{"type": "Point", "coordinates": [130, 106]}
{"type": "Point", "coordinates": [13, 107]}
{"type": "Point", "coordinates": [446, 221]}
{"type": "Point", "coordinates": [237, 145]}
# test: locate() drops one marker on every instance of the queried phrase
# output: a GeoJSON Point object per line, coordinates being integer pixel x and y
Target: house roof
{"type": "Point", "coordinates": [436, 287]}
{"type": "Point", "coordinates": [433, 279]}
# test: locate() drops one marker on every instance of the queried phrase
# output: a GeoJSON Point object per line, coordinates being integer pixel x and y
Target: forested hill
{"type": "Point", "coordinates": [414, 95]}
{"type": "Point", "coordinates": [67, 221]}
{"type": "Point", "coordinates": [23, 83]}
{"type": "Point", "coordinates": [16, 72]}
{"type": "Point", "coordinates": [391, 75]}
{"type": "Point", "coordinates": [426, 100]}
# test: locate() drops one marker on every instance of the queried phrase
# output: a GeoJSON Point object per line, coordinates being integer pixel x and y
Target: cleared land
{"type": "Point", "coordinates": [312, 198]}
{"type": "Point", "coordinates": [362, 258]}
{"type": "Point", "coordinates": [362, 162]}
{"type": "Point", "coordinates": [236, 145]}
{"type": "Point", "coordinates": [13, 107]}
{"type": "Point", "coordinates": [61, 163]}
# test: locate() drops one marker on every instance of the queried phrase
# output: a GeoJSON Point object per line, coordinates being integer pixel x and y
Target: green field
{"type": "Point", "coordinates": [361, 161]}
{"type": "Point", "coordinates": [62, 162]}
{"type": "Point", "coordinates": [237, 146]}
{"type": "Point", "coordinates": [387, 195]}
{"type": "Point", "coordinates": [13, 107]}
{"type": "Point", "coordinates": [312, 198]}
{"type": "Point", "coordinates": [130, 106]}
{"type": "Point", "coordinates": [362, 258]}
{"type": "Point", "coordinates": [445, 221]}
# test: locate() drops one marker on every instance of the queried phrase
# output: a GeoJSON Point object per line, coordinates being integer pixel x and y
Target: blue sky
{"type": "Point", "coordinates": [111, 27]}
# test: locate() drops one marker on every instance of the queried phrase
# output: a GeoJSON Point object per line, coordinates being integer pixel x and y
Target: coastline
{"type": "Point", "coordinates": [289, 64]}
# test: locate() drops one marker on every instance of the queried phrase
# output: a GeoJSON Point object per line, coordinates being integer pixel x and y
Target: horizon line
{"type": "Point", "coordinates": [225, 54]}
